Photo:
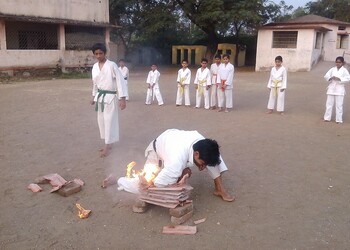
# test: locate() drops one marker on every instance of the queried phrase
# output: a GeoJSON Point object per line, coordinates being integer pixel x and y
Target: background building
{"type": "Point", "coordinates": [302, 42]}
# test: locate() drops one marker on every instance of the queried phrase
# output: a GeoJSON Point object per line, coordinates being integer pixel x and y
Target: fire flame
{"type": "Point", "coordinates": [129, 169]}
{"type": "Point", "coordinates": [149, 171]}
{"type": "Point", "coordinates": [82, 213]}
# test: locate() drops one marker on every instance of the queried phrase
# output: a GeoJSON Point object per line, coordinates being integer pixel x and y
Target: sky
{"type": "Point", "coordinates": [295, 3]}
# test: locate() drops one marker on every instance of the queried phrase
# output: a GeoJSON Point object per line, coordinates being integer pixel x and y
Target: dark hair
{"type": "Point", "coordinates": [217, 56]}
{"type": "Point", "coordinates": [204, 60]}
{"type": "Point", "coordinates": [340, 58]}
{"type": "Point", "coordinates": [99, 46]}
{"type": "Point", "coordinates": [226, 55]}
{"type": "Point", "coordinates": [208, 151]}
{"type": "Point", "coordinates": [279, 58]}
{"type": "Point", "coordinates": [184, 60]}
{"type": "Point", "coordinates": [121, 60]}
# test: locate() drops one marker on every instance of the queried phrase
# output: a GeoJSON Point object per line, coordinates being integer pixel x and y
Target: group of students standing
{"type": "Point", "coordinates": [214, 84]}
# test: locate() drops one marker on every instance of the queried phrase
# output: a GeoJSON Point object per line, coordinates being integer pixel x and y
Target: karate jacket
{"type": "Point", "coordinates": [337, 87]}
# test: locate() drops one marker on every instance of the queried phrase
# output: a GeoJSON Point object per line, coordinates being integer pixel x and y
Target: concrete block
{"type": "Point", "coordinates": [181, 210]}
{"type": "Point", "coordinates": [68, 189]}
{"type": "Point", "coordinates": [139, 207]}
{"type": "Point", "coordinates": [182, 219]}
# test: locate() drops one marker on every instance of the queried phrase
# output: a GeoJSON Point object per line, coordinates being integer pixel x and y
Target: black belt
{"type": "Point", "coordinates": [154, 145]}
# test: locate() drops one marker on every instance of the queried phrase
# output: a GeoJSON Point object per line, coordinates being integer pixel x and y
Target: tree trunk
{"type": "Point", "coordinates": [212, 46]}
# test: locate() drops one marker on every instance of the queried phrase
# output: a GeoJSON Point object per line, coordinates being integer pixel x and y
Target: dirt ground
{"type": "Point", "coordinates": [290, 174]}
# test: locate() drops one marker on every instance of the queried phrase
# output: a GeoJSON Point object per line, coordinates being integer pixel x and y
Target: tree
{"type": "Point", "coordinates": [334, 9]}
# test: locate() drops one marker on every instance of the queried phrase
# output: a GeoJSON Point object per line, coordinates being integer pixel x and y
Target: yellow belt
{"type": "Point", "coordinates": [275, 82]}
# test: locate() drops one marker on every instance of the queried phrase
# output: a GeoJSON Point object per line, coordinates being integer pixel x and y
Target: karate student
{"type": "Point", "coordinates": [202, 83]}
{"type": "Point", "coordinates": [109, 91]}
{"type": "Point", "coordinates": [125, 73]}
{"type": "Point", "coordinates": [153, 86]}
{"type": "Point", "coordinates": [336, 77]}
{"type": "Point", "coordinates": [277, 84]}
{"type": "Point", "coordinates": [180, 150]}
{"type": "Point", "coordinates": [225, 84]}
{"type": "Point", "coordinates": [214, 86]}
{"type": "Point", "coordinates": [183, 82]}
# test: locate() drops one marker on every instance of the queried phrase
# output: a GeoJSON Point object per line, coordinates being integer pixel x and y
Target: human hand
{"type": "Point", "coordinates": [122, 103]}
{"type": "Point", "coordinates": [282, 90]}
{"type": "Point", "coordinates": [92, 102]}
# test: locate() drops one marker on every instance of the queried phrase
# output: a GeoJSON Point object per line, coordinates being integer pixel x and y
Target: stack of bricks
{"type": "Point", "coordinates": [181, 214]}
{"type": "Point", "coordinates": [169, 197]}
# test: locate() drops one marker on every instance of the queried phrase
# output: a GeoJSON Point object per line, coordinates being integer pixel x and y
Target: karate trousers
{"type": "Point", "coordinates": [199, 95]}
{"type": "Point", "coordinates": [213, 95]}
{"type": "Point", "coordinates": [154, 92]}
{"type": "Point", "coordinates": [338, 99]}
{"type": "Point", "coordinates": [179, 95]}
{"type": "Point", "coordinates": [280, 99]}
{"type": "Point", "coordinates": [108, 122]}
{"type": "Point", "coordinates": [225, 97]}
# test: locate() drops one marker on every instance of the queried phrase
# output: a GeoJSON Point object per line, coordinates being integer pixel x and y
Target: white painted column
{"type": "Point", "coordinates": [2, 35]}
{"type": "Point", "coordinates": [62, 45]}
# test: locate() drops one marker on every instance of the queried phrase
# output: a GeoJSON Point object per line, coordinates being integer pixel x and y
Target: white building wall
{"type": "Point", "coordinates": [330, 44]}
{"type": "Point", "coordinates": [81, 10]}
{"type": "Point", "coordinates": [298, 59]}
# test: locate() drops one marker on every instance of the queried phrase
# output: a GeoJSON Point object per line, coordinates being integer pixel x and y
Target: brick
{"type": "Point", "coordinates": [181, 210]}
{"type": "Point", "coordinates": [182, 219]}
{"type": "Point", "coordinates": [140, 207]}
{"type": "Point", "coordinates": [68, 189]}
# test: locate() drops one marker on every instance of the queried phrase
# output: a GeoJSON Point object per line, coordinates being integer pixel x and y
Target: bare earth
{"type": "Point", "coordinates": [290, 174]}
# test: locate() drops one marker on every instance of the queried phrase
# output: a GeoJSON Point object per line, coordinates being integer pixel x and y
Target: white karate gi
{"type": "Point", "coordinates": [202, 80]}
{"type": "Point", "coordinates": [336, 92]}
{"type": "Point", "coordinates": [213, 90]}
{"type": "Point", "coordinates": [108, 78]}
{"type": "Point", "coordinates": [175, 149]}
{"type": "Point", "coordinates": [153, 80]}
{"type": "Point", "coordinates": [225, 74]}
{"type": "Point", "coordinates": [125, 73]}
{"type": "Point", "coordinates": [184, 77]}
{"type": "Point", "coordinates": [277, 82]}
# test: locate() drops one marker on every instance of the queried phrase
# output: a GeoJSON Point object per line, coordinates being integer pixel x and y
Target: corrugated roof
{"type": "Point", "coordinates": [35, 19]}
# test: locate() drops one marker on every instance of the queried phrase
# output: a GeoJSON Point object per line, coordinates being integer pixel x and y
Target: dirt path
{"type": "Point", "coordinates": [290, 173]}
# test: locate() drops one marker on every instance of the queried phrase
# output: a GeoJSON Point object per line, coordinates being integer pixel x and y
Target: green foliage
{"type": "Point", "coordinates": [334, 9]}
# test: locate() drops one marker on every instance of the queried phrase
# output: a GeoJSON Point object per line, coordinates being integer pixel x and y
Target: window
{"type": "Point", "coordinates": [318, 40]}
{"type": "Point", "coordinates": [342, 41]}
{"type": "Point", "coordinates": [285, 39]}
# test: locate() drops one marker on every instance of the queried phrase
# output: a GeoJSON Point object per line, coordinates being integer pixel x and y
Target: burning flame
{"type": "Point", "coordinates": [129, 169]}
{"type": "Point", "coordinates": [149, 171]}
{"type": "Point", "coordinates": [82, 213]}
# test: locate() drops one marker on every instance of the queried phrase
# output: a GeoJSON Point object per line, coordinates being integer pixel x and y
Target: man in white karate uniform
{"type": "Point", "coordinates": [183, 84]}
{"type": "Point", "coordinates": [214, 86]}
{"type": "Point", "coordinates": [125, 73]}
{"type": "Point", "coordinates": [153, 86]}
{"type": "Point", "coordinates": [180, 150]}
{"type": "Point", "coordinates": [203, 83]}
{"type": "Point", "coordinates": [109, 91]}
{"type": "Point", "coordinates": [225, 82]}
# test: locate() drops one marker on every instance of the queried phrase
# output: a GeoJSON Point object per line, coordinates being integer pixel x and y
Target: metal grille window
{"type": "Point", "coordinates": [82, 37]}
{"type": "Point", "coordinates": [285, 39]}
{"type": "Point", "coordinates": [31, 36]}
{"type": "Point", "coordinates": [342, 41]}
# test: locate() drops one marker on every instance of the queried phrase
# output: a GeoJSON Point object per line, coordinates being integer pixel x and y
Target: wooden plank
{"type": "Point", "coordinates": [179, 229]}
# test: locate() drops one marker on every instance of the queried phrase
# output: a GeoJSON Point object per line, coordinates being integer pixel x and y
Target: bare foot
{"type": "Point", "coordinates": [104, 151]}
{"type": "Point", "coordinates": [225, 196]}
{"type": "Point", "coordinates": [281, 113]}
{"type": "Point", "coordinates": [269, 111]}
{"type": "Point", "coordinates": [220, 110]}
{"type": "Point", "coordinates": [109, 181]}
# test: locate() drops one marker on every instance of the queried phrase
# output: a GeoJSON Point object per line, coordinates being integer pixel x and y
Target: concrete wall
{"type": "Point", "coordinates": [298, 59]}
{"type": "Point", "coordinates": [305, 56]}
{"type": "Point", "coordinates": [82, 10]}
{"type": "Point", "coordinates": [199, 53]}
{"type": "Point", "coordinates": [16, 59]}
{"type": "Point", "coordinates": [330, 43]}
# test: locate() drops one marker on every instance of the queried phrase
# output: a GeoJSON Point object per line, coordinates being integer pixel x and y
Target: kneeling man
{"type": "Point", "coordinates": [178, 150]}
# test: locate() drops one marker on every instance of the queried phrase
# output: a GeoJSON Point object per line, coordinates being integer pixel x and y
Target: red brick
{"type": "Point", "coordinates": [69, 189]}
{"type": "Point", "coordinates": [182, 219]}
{"type": "Point", "coordinates": [180, 211]}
